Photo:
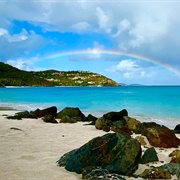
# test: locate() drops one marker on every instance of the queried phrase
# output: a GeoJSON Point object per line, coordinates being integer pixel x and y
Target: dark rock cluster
{"type": "Point", "coordinates": [114, 154]}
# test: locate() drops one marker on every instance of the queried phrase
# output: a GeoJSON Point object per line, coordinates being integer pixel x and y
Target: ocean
{"type": "Point", "coordinates": [146, 103]}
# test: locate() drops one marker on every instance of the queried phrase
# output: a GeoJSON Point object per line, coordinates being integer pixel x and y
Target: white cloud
{"type": "Point", "coordinates": [81, 27]}
{"type": "Point", "coordinates": [19, 44]}
{"type": "Point", "coordinates": [123, 26]}
{"type": "Point", "coordinates": [25, 64]}
{"type": "Point", "coordinates": [103, 20]}
{"type": "Point", "coordinates": [95, 51]}
{"type": "Point", "coordinates": [130, 69]}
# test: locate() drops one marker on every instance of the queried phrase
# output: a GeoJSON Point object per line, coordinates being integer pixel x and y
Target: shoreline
{"type": "Point", "coordinates": [31, 149]}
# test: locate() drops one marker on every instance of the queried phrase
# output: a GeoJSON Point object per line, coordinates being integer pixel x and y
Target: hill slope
{"type": "Point", "coordinates": [11, 76]}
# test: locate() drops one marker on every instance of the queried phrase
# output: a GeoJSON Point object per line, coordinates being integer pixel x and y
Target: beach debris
{"type": "Point", "coordinates": [177, 129]}
{"type": "Point", "coordinates": [160, 136]}
{"type": "Point", "coordinates": [115, 152]}
{"type": "Point", "coordinates": [150, 155]}
{"type": "Point", "coordinates": [49, 119]}
{"type": "Point", "coordinates": [14, 128]}
{"type": "Point", "coordinates": [72, 112]}
{"type": "Point", "coordinates": [175, 156]}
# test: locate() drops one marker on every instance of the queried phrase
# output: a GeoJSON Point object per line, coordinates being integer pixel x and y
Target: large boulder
{"type": "Point", "coordinates": [118, 153]}
{"type": "Point", "coordinates": [72, 112]}
{"type": "Point", "coordinates": [160, 136]}
{"type": "Point", "coordinates": [48, 111]}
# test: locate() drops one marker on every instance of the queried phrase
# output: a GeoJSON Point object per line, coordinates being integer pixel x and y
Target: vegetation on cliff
{"type": "Point", "coordinates": [11, 76]}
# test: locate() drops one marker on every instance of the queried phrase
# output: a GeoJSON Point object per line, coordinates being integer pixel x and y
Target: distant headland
{"type": "Point", "coordinates": [11, 76]}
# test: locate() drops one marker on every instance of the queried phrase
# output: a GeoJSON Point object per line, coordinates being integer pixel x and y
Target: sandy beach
{"type": "Point", "coordinates": [30, 148]}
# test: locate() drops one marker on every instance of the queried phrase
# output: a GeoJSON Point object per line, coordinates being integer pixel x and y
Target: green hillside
{"type": "Point", "coordinates": [11, 76]}
{"type": "Point", "coordinates": [75, 78]}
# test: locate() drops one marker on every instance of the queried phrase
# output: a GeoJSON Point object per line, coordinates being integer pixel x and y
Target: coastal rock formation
{"type": "Point", "coordinates": [49, 119]}
{"type": "Point", "coordinates": [111, 119]}
{"type": "Point", "coordinates": [23, 114]}
{"type": "Point", "coordinates": [48, 111]}
{"type": "Point", "coordinates": [177, 129]}
{"type": "Point", "coordinates": [133, 124]}
{"type": "Point", "coordinates": [160, 136]}
{"type": "Point", "coordinates": [150, 155]}
{"type": "Point", "coordinates": [175, 156]}
{"type": "Point", "coordinates": [67, 119]}
{"type": "Point", "coordinates": [162, 172]}
{"type": "Point", "coordinates": [118, 153]}
{"type": "Point", "coordinates": [92, 119]}
{"type": "Point", "coordinates": [72, 112]}
{"type": "Point", "coordinates": [156, 173]}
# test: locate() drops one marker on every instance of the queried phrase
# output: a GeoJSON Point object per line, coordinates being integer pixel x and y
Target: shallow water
{"type": "Point", "coordinates": [146, 103]}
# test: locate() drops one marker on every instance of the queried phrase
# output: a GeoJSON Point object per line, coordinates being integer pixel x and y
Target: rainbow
{"type": "Point", "coordinates": [112, 53]}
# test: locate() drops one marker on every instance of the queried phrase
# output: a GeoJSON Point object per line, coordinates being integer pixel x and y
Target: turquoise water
{"type": "Point", "coordinates": [146, 103]}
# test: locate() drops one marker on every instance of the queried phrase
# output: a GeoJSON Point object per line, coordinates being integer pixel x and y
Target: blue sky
{"type": "Point", "coordinates": [31, 31]}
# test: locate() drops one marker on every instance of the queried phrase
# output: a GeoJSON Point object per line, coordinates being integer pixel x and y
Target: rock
{"type": "Point", "coordinates": [115, 116]}
{"type": "Point", "coordinates": [156, 173]}
{"type": "Point", "coordinates": [99, 174]}
{"type": "Point", "coordinates": [74, 113]}
{"type": "Point", "coordinates": [133, 124]}
{"type": "Point", "coordinates": [101, 122]}
{"type": "Point", "coordinates": [173, 168]}
{"type": "Point", "coordinates": [49, 119]}
{"type": "Point", "coordinates": [142, 140]}
{"type": "Point", "coordinates": [67, 119]}
{"type": "Point", "coordinates": [150, 155]}
{"type": "Point", "coordinates": [175, 156]}
{"type": "Point", "coordinates": [177, 129]}
{"type": "Point", "coordinates": [118, 153]}
{"type": "Point", "coordinates": [23, 114]}
{"type": "Point", "coordinates": [160, 136]}
{"type": "Point", "coordinates": [119, 126]}
{"type": "Point", "coordinates": [36, 112]}
{"type": "Point", "coordinates": [48, 111]}
{"type": "Point", "coordinates": [92, 119]}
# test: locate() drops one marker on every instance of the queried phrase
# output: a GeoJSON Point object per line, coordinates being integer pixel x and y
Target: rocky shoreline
{"type": "Point", "coordinates": [127, 145]}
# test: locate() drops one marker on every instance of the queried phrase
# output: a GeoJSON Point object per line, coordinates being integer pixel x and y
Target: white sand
{"type": "Point", "coordinates": [32, 153]}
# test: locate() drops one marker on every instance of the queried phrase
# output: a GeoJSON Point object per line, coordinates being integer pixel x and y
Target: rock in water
{"type": "Point", "coordinates": [118, 153]}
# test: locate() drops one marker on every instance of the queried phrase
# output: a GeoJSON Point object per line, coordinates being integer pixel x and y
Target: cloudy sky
{"type": "Point", "coordinates": [142, 36]}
